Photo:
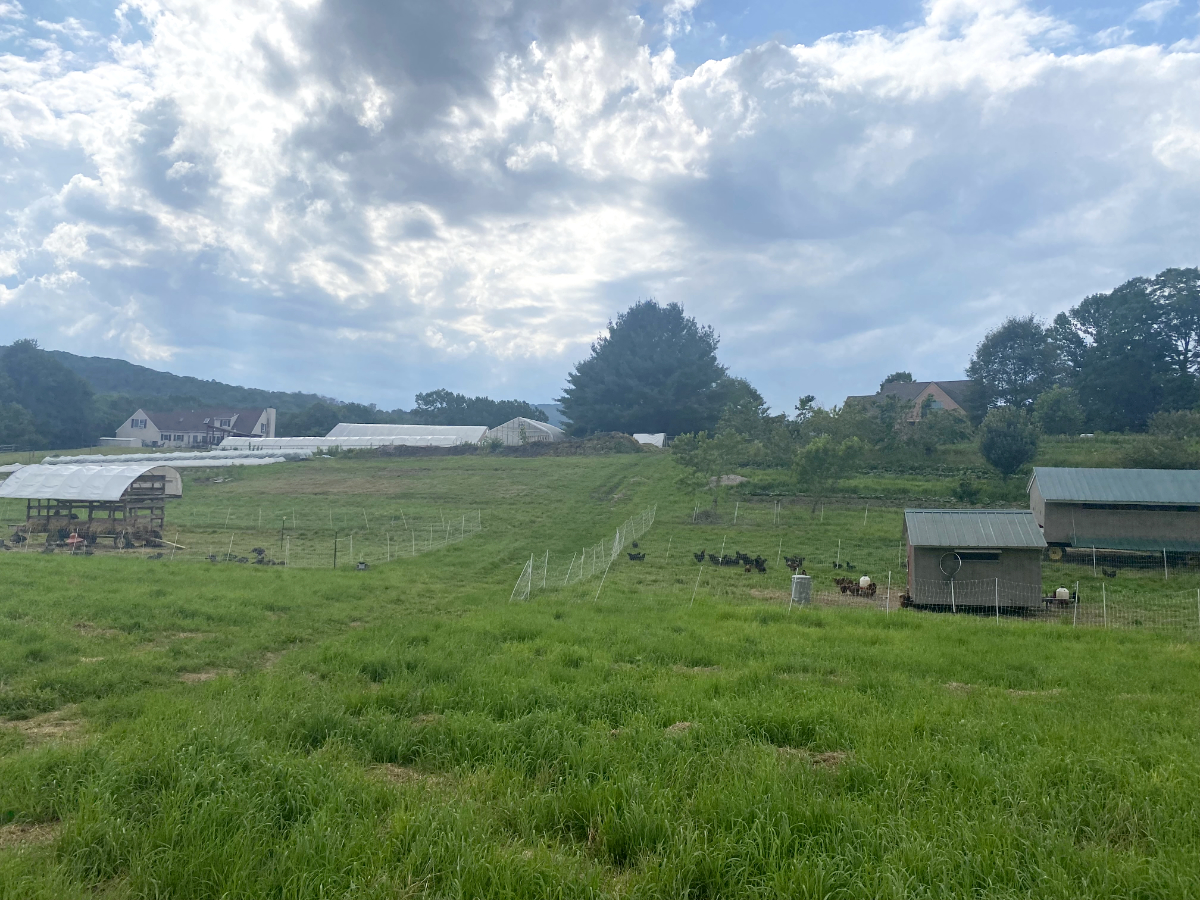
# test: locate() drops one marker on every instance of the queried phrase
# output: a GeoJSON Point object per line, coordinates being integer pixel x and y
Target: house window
{"type": "Point", "coordinates": [179, 437]}
{"type": "Point", "coordinates": [936, 404]}
{"type": "Point", "coordinates": [137, 423]}
{"type": "Point", "coordinates": [262, 429]}
{"type": "Point", "coordinates": [225, 423]}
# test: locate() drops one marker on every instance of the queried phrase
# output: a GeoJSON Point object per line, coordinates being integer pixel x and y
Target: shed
{"type": "Point", "coordinates": [525, 431]}
{"type": "Point", "coordinates": [1147, 510]}
{"type": "Point", "coordinates": [101, 499]}
{"type": "Point", "coordinates": [973, 559]}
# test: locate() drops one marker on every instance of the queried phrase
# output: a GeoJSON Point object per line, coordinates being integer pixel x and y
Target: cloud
{"type": "Point", "coordinates": [1154, 11]}
{"type": "Point", "coordinates": [368, 200]}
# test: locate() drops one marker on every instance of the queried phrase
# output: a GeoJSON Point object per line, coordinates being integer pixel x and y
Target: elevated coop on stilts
{"type": "Point", "coordinates": [95, 501]}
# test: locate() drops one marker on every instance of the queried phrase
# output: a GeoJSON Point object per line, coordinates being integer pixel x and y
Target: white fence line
{"type": "Point", "coordinates": [585, 563]}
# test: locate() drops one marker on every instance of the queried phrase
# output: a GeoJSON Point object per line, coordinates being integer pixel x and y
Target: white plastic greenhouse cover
{"type": "Point", "coordinates": [345, 443]}
{"type": "Point", "coordinates": [82, 482]}
{"type": "Point", "coordinates": [655, 439]}
{"type": "Point", "coordinates": [472, 433]}
{"type": "Point", "coordinates": [510, 431]}
{"type": "Point", "coordinates": [190, 459]}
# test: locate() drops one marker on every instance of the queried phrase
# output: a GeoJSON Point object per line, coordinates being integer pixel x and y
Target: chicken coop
{"type": "Point", "coordinates": [98, 500]}
{"type": "Point", "coordinates": [968, 560]}
{"type": "Point", "coordinates": [1154, 511]}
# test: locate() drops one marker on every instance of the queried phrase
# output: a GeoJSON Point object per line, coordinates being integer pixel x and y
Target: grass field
{"type": "Point", "coordinates": [187, 729]}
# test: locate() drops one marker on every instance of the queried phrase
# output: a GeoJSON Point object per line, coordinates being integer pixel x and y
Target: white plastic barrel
{"type": "Point", "coordinates": [864, 582]}
{"type": "Point", "coordinates": [801, 589]}
{"type": "Point", "coordinates": [1062, 594]}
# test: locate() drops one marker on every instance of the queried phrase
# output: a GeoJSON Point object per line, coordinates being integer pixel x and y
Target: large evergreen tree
{"type": "Point", "coordinates": [655, 370]}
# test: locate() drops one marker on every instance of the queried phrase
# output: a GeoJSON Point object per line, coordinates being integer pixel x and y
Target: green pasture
{"type": "Point", "coordinates": [660, 729]}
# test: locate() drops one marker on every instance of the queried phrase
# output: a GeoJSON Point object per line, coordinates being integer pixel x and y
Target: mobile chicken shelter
{"type": "Point", "coordinates": [520, 430]}
{"type": "Point", "coordinates": [973, 559]}
{"type": "Point", "coordinates": [1144, 510]}
{"type": "Point", "coordinates": [107, 499]}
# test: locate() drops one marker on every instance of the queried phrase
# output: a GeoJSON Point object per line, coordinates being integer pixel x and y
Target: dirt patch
{"type": "Point", "coordinates": [60, 725]}
{"type": "Point", "coordinates": [92, 630]}
{"type": "Point", "coordinates": [696, 670]}
{"type": "Point", "coordinates": [958, 687]}
{"type": "Point", "coordinates": [206, 675]}
{"type": "Point", "coordinates": [395, 774]}
{"type": "Point", "coordinates": [763, 594]}
{"type": "Point", "coordinates": [428, 719]}
{"type": "Point", "coordinates": [17, 836]}
{"type": "Point", "coordinates": [680, 727]}
{"type": "Point", "coordinates": [726, 480]}
{"type": "Point", "coordinates": [831, 759]}
{"type": "Point", "coordinates": [271, 658]}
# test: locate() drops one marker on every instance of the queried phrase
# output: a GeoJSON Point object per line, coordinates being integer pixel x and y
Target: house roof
{"type": "Point", "coordinates": [185, 420]}
{"type": "Point", "coordinates": [82, 482]}
{"type": "Point", "coordinates": [1168, 487]}
{"type": "Point", "coordinates": [913, 390]}
{"type": "Point", "coordinates": [969, 528]}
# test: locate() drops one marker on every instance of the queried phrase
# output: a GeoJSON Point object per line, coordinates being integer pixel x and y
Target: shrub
{"type": "Point", "coordinates": [1007, 439]}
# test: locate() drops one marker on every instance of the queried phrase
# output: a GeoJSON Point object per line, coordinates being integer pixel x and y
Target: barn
{"type": "Point", "coordinates": [1145, 510]}
{"type": "Point", "coordinates": [964, 559]}
{"type": "Point", "coordinates": [96, 499]}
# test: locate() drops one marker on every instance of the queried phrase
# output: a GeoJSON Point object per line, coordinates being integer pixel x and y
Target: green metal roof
{"type": "Point", "coordinates": [967, 528]}
{"type": "Point", "coordinates": [1170, 487]}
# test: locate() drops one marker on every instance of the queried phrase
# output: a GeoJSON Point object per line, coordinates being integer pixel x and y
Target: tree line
{"type": "Point", "coordinates": [45, 405]}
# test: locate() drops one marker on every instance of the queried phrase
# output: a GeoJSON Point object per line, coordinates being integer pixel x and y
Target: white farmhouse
{"type": "Point", "coordinates": [196, 427]}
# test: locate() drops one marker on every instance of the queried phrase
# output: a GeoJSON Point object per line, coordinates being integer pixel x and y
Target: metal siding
{"type": "Point", "coordinates": [1165, 486]}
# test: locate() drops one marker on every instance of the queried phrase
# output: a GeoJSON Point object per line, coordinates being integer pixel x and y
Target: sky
{"type": "Point", "coordinates": [368, 199]}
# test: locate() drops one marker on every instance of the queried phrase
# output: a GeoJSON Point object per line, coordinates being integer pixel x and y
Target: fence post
{"type": "Point", "coordinates": [1166, 575]}
{"type": "Point", "coordinates": [887, 609]}
{"type": "Point", "coordinates": [668, 556]}
{"type": "Point", "coordinates": [997, 599]}
{"type": "Point", "coordinates": [839, 556]}
{"type": "Point", "coordinates": [866, 509]}
{"type": "Point", "coordinates": [335, 549]}
{"type": "Point", "coordinates": [1093, 560]}
{"type": "Point", "coordinates": [779, 552]}
{"type": "Point", "coordinates": [736, 506]}
{"type": "Point", "coordinates": [1198, 603]}
{"type": "Point", "coordinates": [1104, 603]}
{"type": "Point", "coordinates": [953, 607]}
{"type": "Point", "coordinates": [1075, 618]}
{"type": "Point", "coordinates": [697, 587]}
{"type": "Point", "coordinates": [545, 566]}
{"type": "Point", "coordinates": [389, 547]}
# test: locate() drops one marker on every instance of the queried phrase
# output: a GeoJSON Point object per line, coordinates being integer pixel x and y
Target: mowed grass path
{"type": "Point", "coordinates": [197, 730]}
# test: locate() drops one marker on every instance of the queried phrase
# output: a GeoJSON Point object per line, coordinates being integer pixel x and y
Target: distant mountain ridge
{"type": "Point", "coordinates": [117, 376]}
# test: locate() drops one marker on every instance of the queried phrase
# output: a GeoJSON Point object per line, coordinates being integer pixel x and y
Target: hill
{"type": "Point", "coordinates": [117, 376]}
